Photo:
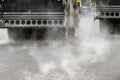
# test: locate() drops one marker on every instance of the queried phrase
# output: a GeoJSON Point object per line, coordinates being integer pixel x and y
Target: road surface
{"type": "Point", "coordinates": [89, 56]}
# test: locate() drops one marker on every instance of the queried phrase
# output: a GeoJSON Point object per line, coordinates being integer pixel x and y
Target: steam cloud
{"type": "Point", "coordinates": [82, 58]}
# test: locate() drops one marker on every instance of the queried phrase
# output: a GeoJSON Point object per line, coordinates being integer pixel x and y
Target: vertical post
{"type": "Point", "coordinates": [68, 18]}
{"type": "Point", "coordinates": [2, 5]}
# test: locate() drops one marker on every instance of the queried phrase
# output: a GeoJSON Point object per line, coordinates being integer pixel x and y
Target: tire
{"type": "Point", "coordinates": [26, 33]}
{"type": "Point", "coordinates": [106, 27]}
{"type": "Point", "coordinates": [39, 33]}
{"type": "Point", "coordinates": [18, 33]}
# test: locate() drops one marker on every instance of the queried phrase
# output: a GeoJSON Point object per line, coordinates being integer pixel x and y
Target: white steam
{"type": "Point", "coordinates": [63, 60]}
{"type": "Point", "coordinates": [69, 60]}
{"type": "Point", "coordinates": [3, 36]}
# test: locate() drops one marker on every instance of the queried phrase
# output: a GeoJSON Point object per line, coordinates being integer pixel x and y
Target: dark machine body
{"type": "Point", "coordinates": [25, 17]}
{"type": "Point", "coordinates": [108, 12]}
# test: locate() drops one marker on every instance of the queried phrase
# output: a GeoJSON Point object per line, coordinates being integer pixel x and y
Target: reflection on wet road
{"type": "Point", "coordinates": [88, 56]}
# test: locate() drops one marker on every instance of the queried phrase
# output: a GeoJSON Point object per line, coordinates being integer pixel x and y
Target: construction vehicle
{"type": "Point", "coordinates": [26, 18]}
{"type": "Point", "coordinates": [108, 12]}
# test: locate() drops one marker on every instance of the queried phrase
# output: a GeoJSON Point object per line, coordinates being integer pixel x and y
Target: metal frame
{"type": "Point", "coordinates": [35, 16]}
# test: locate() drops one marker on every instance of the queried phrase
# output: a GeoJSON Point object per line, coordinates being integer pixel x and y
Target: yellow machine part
{"type": "Point", "coordinates": [78, 1]}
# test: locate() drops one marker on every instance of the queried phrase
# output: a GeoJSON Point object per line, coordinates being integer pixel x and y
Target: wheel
{"type": "Point", "coordinates": [26, 33]}
{"type": "Point", "coordinates": [106, 27]}
{"type": "Point", "coordinates": [19, 33]}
